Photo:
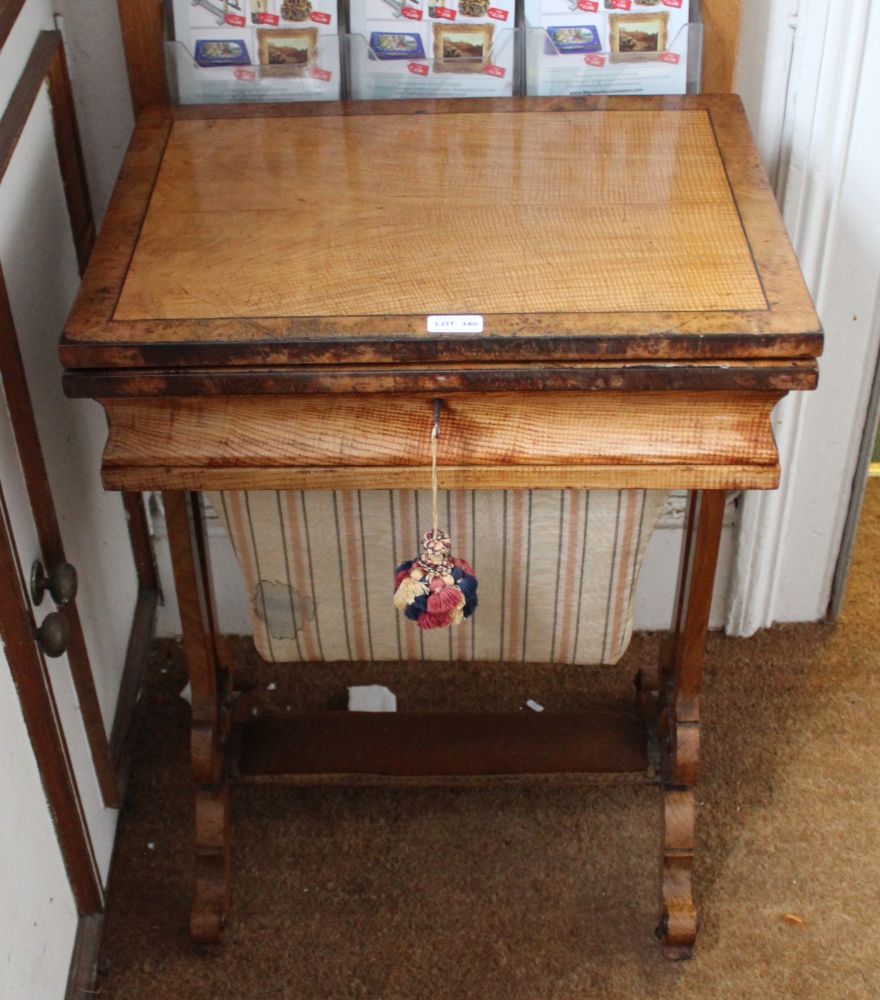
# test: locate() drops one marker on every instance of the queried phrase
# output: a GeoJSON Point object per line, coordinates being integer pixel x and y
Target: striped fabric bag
{"type": "Point", "coordinates": [557, 571]}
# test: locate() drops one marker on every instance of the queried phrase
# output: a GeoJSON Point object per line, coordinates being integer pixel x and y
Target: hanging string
{"type": "Point", "coordinates": [435, 434]}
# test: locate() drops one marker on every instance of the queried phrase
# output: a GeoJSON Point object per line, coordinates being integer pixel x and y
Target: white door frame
{"type": "Point", "coordinates": [789, 541]}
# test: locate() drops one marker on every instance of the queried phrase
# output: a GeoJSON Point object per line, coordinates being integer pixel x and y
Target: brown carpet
{"type": "Point", "coordinates": [533, 893]}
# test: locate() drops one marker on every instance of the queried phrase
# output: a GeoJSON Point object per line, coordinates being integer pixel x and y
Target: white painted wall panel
{"type": "Point", "coordinates": [37, 914]}
{"type": "Point", "coordinates": [829, 145]}
{"type": "Point", "coordinates": [95, 58]}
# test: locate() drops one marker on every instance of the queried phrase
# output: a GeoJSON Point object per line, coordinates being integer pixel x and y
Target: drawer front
{"type": "Point", "coordinates": [487, 440]}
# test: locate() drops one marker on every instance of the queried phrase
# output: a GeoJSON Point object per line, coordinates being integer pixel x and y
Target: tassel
{"type": "Point", "coordinates": [429, 621]}
{"type": "Point", "coordinates": [436, 589]}
{"type": "Point", "coordinates": [445, 600]}
{"type": "Point", "coordinates": [408, 591]}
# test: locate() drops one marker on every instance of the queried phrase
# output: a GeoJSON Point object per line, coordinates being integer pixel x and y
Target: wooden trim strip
{"type": "Point", "coordinates": [604, 477]}
{"type": "Point", "coordinates": [295, 342]}
{"type": "Point", "coordinates": [70, 156]}
{"type": "Point", "coordinates": [47, 62]}
{"type": "Point", "coordinates": [762, 221]}
{"type": "Point", "coordinates": [9, 11]}
{"type": "Point", "coordinates": [773, 376]}
{"type": "Point", "coordinates": [29, 83]}
{"type": "Point", "coordinates": [31, 677]}
{"type": "Point", "coordinates": [36, 477]}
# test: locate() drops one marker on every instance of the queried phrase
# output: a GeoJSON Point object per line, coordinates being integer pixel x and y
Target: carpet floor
{"type": "Point", "coordinates": [541, 893]}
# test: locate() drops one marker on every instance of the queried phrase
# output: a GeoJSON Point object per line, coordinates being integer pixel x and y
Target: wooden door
{"type": "Point", "coordinates": [27, 633]}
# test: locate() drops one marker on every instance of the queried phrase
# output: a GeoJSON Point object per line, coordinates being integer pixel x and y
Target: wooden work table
{"type": "Point", "coordinates": [257, 315]}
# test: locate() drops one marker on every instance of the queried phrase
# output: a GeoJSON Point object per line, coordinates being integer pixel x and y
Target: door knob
{"type": "Point", "coordinates": [54, 634]}
{"type": "Point", "coordinates": [61, 583]}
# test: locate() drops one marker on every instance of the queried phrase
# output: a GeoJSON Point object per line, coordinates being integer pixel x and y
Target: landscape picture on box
{"type": "Point", "coordinates": [638, 36]}
{"type": "Point", "coordinates": [295, 10]}
{"type": "Point", "coordinates": [287, 52]}
{"type": "Point", "coordinates": [225, 52]}
{"type": "Point", "coordinates": [573, 38]}
{"type": "Point", "coordinates": [396, 45]}
{"type": "Point", "coordinates": [473, 8]}
{"type": "Point", "coordinates": [462, 48]}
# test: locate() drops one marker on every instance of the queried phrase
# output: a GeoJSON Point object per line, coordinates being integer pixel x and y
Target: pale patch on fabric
{"type": "Point", "coordinates": [282, 609]}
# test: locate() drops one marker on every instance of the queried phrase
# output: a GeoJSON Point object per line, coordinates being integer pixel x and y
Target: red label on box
{"type": "Point", "coordinates": [590, 6]}
{"type": "Point", "coordinates": [672, 3]}
{"type": "Point", "coordinates": [497, 14]}
{"type": "Point", "coordinates": [321, 74]}
{"type": "Point", "coordinates": [491, 70]}
{"type": "Point", "coordinates": [266, 19]}
{"type": "Point", "coordinates": [420, 69]}
{"type": "Point", "coordinates": [446, 13]}
{"type": "Point", "coordinates": [236, 20]}
{"type": "Point", "coordinates": [413, 13]}
{"type": "Point", "coordinates": [245, 74]}
{"type": "Point", "coordinates": [594, 59]}
{"type": "Point", "coordinates": [621, 4]}
{"type": "Point", "coordinates": [319, 17]}
{"type": "Point", "coordinates": [670, 57]}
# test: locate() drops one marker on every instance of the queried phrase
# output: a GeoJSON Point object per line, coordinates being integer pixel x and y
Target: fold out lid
{"type": "Point", "coordinates": [521, 231]}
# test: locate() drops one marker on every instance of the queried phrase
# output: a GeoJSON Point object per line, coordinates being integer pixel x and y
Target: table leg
{"type": "Point", "coordinates": [210, 715]}
{"type": "Point", "coordinates": [681, 674]}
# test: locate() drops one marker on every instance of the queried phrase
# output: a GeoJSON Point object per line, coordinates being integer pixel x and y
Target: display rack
{"type": "Point", "coordinates": [523, 60]}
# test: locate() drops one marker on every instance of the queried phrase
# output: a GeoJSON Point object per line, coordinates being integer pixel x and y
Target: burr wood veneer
{"type": "Point", "coordinates": [255, 316]}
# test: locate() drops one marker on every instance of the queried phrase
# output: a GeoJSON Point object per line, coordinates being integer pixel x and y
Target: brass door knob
{"type": "Point", "coordinates": [61, 583]}
{"type": "Point", "coordinates": [54, 634]}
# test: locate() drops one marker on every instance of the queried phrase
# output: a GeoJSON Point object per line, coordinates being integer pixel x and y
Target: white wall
{"type": "Point", "coordinates": [828, 151]}
{"type": "Point", "coordinates": [92, 38]}
{"type": "Point", "coordinates": [37, 912]}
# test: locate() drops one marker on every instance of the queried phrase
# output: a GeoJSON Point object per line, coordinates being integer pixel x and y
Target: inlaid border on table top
{"type": "Point", "coordinates": [788, 329]}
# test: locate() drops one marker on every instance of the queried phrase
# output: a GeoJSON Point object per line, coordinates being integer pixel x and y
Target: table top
{"type": "Point", "coordinates": [638, 230]}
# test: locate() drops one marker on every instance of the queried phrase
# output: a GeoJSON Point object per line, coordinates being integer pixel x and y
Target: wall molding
{"type": "Point", "coordinates": [9, 11]}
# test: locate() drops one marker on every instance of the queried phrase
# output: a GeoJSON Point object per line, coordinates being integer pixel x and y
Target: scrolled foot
{"type": "Point", "coordinates": [677, 932]}
{"type": "Point", "coordinates": [207, 922]}
{"type": "Point", "coordinates": [211, 906]}
{"type": "Point", "coordinates": [678, 924]}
